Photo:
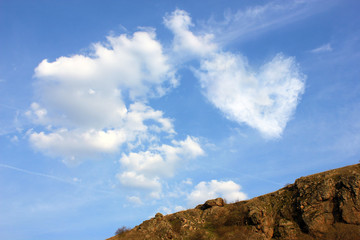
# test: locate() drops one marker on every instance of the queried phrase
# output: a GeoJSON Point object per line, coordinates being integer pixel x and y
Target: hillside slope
{"type": "Point", "coordinates": [320, 206]}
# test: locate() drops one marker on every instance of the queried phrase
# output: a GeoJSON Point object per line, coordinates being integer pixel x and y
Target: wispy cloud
{"type": "Point", "coordinates": [324, 48]}
{"type": "Point", "coordinates": [247, 23]}
{"type": "Point", "coordinates": [73, 181]}
{"type": "Point", "coordinates": [36, 173]}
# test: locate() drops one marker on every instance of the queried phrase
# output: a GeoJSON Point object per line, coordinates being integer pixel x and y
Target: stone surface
{"type": "Point", "coordinates": [219, 202]}
{"type": "Point", "coordinates": [319, 206]}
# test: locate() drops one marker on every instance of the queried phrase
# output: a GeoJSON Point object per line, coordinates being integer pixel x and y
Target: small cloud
{"type": "Point", "coordinates": [165, 210]}
{"type": "Point", "coordinates": [37, 113]}
{"type": "Point", "coordinates": [324, 48]}
{"type": "Point", "coordinates": [134, 199]}
{"type": "Point", "coordinates": [144, 169]}
{"type": "Point", "coordinates": [76, 180]}
{"type": "Point", "coordinates": [228, 190]}
{"type": "Point", "coordinates": [188, 181]}
{"type": "Point", "coordinates": [171, 209]}
{"type": "Point", "coordinates": [141, 182]}
{"type": "Point", "coordinates": [179, 208]}
{"type": "Point", "coordinates": [186, 42]}
{"type": "Point", "coordinates": [91, 91]}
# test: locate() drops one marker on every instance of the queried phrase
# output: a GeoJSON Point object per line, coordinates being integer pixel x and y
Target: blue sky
{"type": "Point", "coordinates": [111, 111]}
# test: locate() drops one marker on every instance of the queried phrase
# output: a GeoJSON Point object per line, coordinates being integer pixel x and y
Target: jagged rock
{"type": "Point", "coordinates": [321, 206]}
{"type": "Point", "coordinates": [219, 202]}
{"type": "Point", "coordinates": [158, 215]}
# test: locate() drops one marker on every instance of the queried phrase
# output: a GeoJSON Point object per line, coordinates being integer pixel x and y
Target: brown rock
{"type": "Point", "coordinates": [219, 202]}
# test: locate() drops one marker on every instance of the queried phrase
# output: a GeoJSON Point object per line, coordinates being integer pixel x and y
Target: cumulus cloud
{"type": "Point", "coordinates": [89, 91]}
{"type": "Point", "coordinates": [75, 144]}
{"type": "Point", "coordinates": [185, 41]}
{"type": "Point", "coordinates": [91, 104]}
{"type": "Point", "coordinates": [82, 98]}
{"type": "Point", "coordinates": [263, 99]}
{"type": "Point", "coordinates": [228, 190]}
{"type": "Point", "coordinates": [145, 167]}
{"type": "Point", "coordinates": [136, 65]}
{"type": "Point", "coordinates": [139, 181]}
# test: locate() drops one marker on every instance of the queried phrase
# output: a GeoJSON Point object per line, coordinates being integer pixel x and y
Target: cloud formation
{"type": "Point", "coordinates": [98, 103]}
{"type": "Point", "coordinates": [82, 98]}
{"type": "Point", "coordinates": [74, 144]}
{"type": "Point", "coordinates": [247, 23]}
{"type": "Point", "coordinates": [263, 99]}
{"type": "Point", "coordinates": [228, 190]}
{"type": "Point", "coordinates": [145, 168]}
{"type": "Point", "coordinates": [324, 48]}
{"type": "Point", "coordinates": [135, 65]}
{"type": "Point", "coordinates": [186, 42]}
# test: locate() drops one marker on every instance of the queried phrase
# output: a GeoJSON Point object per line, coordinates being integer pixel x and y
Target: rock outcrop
{"type": "Point", "coordinates": [219, 202]}
{"type": "Point", "coordinates": [320, 206]}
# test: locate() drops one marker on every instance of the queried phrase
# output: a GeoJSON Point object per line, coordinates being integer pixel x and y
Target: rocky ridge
{"type": "Point", "coordinates": [320, 206]}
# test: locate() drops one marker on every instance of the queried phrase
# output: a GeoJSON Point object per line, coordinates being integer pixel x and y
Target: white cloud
{"type": "Point", "coordinates": [134, 200]}
{"type": "Point", "coordinates": [75, 144]}
{"type": "Point", "coordinates": [188, 181]}
{"type": "Point", "coordinates": [264, 100]}
{"type": "Point", "coordinates": [37, 114]}
{"type": "Point", "coordinates": [89, 91]}
{"type": "Point", "coordinates": [179, 208]}
{"type": "Point", "coordinates": [228, 190]}
{"type": "Point", "coordinates": [171, 209]}
{"type": "Point", "coordinates": [243, 24]}
{"type": "Point", "coordinates": [89, 105]}
{"type": "Point", "coordinates": [97, 103]}
{"type": "Point", "coordinates": [185, 41]}
{"type": "Point", "coordinates": [162, 160]}
{"type": "Point", "coordinates": [139, 181]}
{"type": "Point", "coordinates": [135, 64]}
{"type": "Point", "coordinates": [157, 162]}
{"type": "Point", "coordinates": [81, 98]}
{"type": "Point", "coordinates": [324, 48]}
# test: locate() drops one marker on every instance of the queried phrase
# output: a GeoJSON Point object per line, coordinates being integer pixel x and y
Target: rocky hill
{"type": "Point", "coordinates": [320, 206]}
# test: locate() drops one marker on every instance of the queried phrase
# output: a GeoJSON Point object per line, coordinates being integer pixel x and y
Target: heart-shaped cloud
{"type": "Point", "coordinates": [264, 100]}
